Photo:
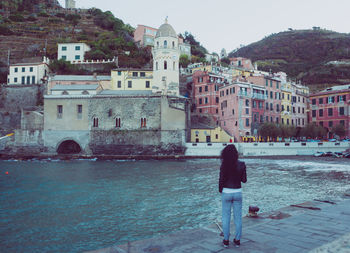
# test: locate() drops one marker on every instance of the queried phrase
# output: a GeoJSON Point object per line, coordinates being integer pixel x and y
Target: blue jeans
{"type": "Point", "coordinates": [230, 200]}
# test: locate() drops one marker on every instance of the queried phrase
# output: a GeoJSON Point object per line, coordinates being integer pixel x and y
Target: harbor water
{"type": "Point", "coordinates": [81, 205]}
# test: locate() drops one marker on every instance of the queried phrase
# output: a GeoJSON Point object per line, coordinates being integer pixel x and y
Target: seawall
{"type": "Point", "coordinates": [267, 148]}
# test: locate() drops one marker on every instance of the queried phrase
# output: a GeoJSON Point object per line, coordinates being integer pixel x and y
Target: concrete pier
{"type": "Point", "coordinates": [317, 226]}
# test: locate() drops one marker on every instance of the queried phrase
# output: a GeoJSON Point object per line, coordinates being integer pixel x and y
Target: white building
{"type": "Point", "coordinates": [166, 56]}
{"type": "Point", "coordinates": [211, 57]}
{"type": "Point", "coordinates": [185, 49]}
{"type": "Point", "coordinates": [70, 4]}
{"type": "Point", "coordinates": [28, 73]}
{"type": "Point", "coordinates": [72, 52]}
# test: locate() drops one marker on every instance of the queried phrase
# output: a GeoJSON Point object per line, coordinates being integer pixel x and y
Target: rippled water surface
{"type": "Point", "coordinates": [75, 206]}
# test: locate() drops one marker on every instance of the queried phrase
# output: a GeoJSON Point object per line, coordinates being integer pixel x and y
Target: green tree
{"type": "Point", "coordinates": [339, 130]}
{"type": "Point", "coordinates": [225, 61]}
{"type": "Point", "coordinates": [73, 19]}
{"type": "Point", "coordinates": [196, 49]}
{"type": "Point", "coordinates": [184, 60]}
{"type": "Point", "coordinates": [269, 130]}
{"type": "Point", "coordinates": [62, 67]}
{"type": "Point", "coordinates": [287, 131]}
{"type": "Point", "coordinates": [313, 131]}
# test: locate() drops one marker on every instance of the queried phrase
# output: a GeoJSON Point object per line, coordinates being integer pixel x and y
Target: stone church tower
{"type": "Point", "coordinates": [166, 54]}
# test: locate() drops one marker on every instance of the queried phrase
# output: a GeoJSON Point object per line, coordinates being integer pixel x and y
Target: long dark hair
{"type": "Point", "coordinates": [229, 157]}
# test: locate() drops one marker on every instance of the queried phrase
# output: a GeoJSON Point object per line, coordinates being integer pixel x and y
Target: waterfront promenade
{"type": "Point", "coordinates": [317, 226]}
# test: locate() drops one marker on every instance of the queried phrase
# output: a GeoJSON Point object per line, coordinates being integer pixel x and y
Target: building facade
{"type": "Point", "coordinates": [132, 79]}
{"type": "Point", "coordinates": [115, 122]}
{"type": "Point", "coordinates": [28, 73]}
{"type": "Point", "coordinates": [70, 4]}
{"type": "Point", "coordinates": [144, 35]}
{"type": "Point", "coordinates": [166, 55]}
{"type": "Point", "coordinates": [286, 104]}
{"type": "Point", "coordinates": [72, 52]}
{"type": "Point", "coordinates": [242, 109]}
{"type": "Point", "coordinates": [103, 81]}
{"type": "Point", "coordinates": [200, 134]}
{"type": "Point", "coordinates": [241, 62]}
{"type": "Point", "coordinates": [331, 107]}
{"type": "Point", "coordinates": [205, 93]}
{"type": "Point", "coordinates": [299, 107]}
{"type": "Point", "coordinates": [273, 95]}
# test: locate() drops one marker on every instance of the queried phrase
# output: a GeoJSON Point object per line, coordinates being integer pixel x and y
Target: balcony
{"type": "Point", "coordinates": [244, 94]}
{"type": "Point", "coordinates": [259, 96]}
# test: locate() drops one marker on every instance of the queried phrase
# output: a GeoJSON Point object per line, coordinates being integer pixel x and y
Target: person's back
{"type": "Point", "coordinates": [232, 173]}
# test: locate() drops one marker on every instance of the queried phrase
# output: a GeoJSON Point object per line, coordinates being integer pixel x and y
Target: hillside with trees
{"type": "Point", "coordinates": [314, 56]}
{"type": "Point", "coordinates": [30, 28]}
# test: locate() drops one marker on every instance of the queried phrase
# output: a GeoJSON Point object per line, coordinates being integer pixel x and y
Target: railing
{"type": "Point", "coordinates": [259, 96]}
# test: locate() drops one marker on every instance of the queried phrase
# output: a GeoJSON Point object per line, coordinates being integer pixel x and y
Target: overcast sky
{"type": "Point", "coordinates": [218, 24]}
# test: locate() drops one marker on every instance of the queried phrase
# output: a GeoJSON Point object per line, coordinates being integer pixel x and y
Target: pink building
{"type": "Point", "coordinates": [144, 35]}
{"type": "Point", "coordinates": [331, 107]}
{"type": "Point", "coordinates": [241, 109]}
{"type": "Point", "coordinates": [273, 96]}
{"type": "Point", "coordinates": [241, 62]}
{"type": "Point", "coordinates": [205, 92]}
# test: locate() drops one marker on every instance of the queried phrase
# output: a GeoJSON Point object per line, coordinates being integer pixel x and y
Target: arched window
{"type": "Point", "coordinates": [165, 65]}
{"type": "Point", "coordinates": [157, 43]}
{"type": "Point", "coordinates": [143, 122]}
{"type": "Point", "coordinates": [156, 65]}
{"type": "Point", "coordinates": [173, 65]}
{"type": "Point", "coordinates": [173, 44]}
{"type": "Point", "coordinates": [165, 44]}
{"type": "Point", "coordinates": [65, 92]}
{"type": "Point", "coordinates": [85, 92]}
{"type": "Point", "coordinates": [117, 122]}
{"type": "Point", "coordinates": [95, 122]}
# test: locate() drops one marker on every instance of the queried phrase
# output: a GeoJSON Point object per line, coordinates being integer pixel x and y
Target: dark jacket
{"type": "Point", "coordinates": [232, 177]}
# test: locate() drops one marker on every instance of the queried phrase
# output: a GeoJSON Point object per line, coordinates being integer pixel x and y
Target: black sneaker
{"type": "Point", "coordinates": [236, 242]}
{"type": "Point", "coordinates": [226, 243]}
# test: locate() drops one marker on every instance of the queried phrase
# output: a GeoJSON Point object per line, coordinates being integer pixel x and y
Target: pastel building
{"type": "Point", "coordinates": [70, 4]}
{"type": "Point", "coordinates": [27, 73]}
{"type": "Point", "coordinates": [241, 62]}
{"type": "Point", "coordinates": [132, 79]}
{"type": "Point", "coordinates": [144, 35]}
{"type": "Point", "coordinates": [286, 104]}
{"type": "Point", "coordinates": [72, 52]}
{"type": "Point", "coordinates": [272, 87]}
{"type": "Point", "coordinates": [331, 107]}
{"type": "Point", "coordinates": [202, 133]}
{"type": "Point", "coordinates": [205, 93]}
{"type": "Point", "coordinates": [242, 109]}
{"type": "Point", "coordinates": [299, 102]}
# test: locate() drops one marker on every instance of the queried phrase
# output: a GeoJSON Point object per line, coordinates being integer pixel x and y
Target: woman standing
{"type": "Point", "coordinates": [232, 173]}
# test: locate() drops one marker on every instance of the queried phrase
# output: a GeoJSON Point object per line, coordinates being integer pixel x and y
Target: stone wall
{"type": "Point", "coordinates": [9, 121]}
{"type": "Point", "coordinates": [14, 97]}
{"type": "Point", "coordinates": [136, 142]}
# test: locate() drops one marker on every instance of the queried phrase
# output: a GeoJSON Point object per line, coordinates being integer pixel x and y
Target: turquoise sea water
{"type": "Point", "coordinates": [76, 206]}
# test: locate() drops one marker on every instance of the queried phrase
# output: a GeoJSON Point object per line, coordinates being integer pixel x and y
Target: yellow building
{"type": "Point", "coordinates": [240, 72]}
{"type": "Point", "coordinates": [286, 103]}
{"type": "Point", "coordinates": [209, 68]}
{"type": "Point", "coordinates": [132, 79]}
{"type": "Point", "coordinates": [209, 134]}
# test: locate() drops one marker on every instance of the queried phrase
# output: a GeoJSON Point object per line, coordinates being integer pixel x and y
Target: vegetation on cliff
{"type": "Point", "coordinates": [305, 55]}
{"type": "Point", "coordinates": [34, 27]}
